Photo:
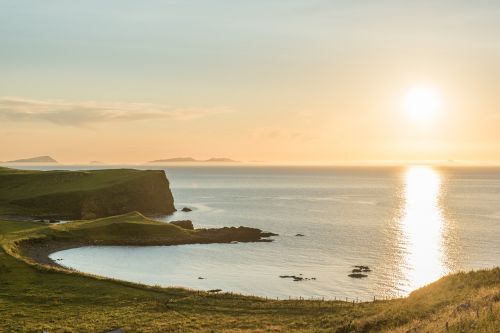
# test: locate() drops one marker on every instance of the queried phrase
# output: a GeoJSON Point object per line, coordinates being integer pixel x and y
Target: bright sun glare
{"type": "Point", "coordinates": [421, 103]}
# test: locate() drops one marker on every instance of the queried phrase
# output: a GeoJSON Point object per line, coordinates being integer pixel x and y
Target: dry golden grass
{"type": "Point", "coordinates": [33, 299]}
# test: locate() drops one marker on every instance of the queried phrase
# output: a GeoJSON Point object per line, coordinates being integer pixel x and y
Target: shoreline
{"type": "Point", "coordinates": [39, 250]}
{"type": "Point", "coordinates": [40, 253]}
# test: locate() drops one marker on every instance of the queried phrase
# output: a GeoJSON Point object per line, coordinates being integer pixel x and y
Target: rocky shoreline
{"type": "Point", "coordinates": [39, 249]}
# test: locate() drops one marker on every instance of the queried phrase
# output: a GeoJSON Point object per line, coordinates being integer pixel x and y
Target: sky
{"type": "Point", "coordinates": [290, 81]}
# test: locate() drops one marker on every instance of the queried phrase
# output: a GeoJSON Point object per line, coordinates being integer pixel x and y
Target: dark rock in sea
{"type": "Point", "coordinates": [186, 209]}
{"type": "Point", "coordinates": [201, 278]}
{"type": "Point", "coordinates": [357, 275]}
{"type": "Point", "coordinates": [185, 224]}
{"type": "Point", "coordinates": [299, 235]}
{"type": "Point", "coordinates": [267, 234]}
{"type": "Point", "coordinates": [362, 267]}
{"type": "Point", "coordinates": [53, 221]}
{"type": "Point", "coordinates": [296, 278]}
{"type": "Point", "coordinates": [230, 234]}
{"type": "Point", "coordinates": [214, 291]}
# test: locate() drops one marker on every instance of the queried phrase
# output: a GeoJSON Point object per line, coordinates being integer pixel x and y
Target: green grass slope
{"type": "Point", "coordinates": [35, 298]}
{"type": "Point", "coordinates": [133, 228]}
{"type": "Point", "coordinates": [83, 194]}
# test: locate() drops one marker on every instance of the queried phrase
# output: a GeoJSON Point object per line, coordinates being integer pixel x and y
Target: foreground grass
{"type": "Point", "coordinates": [33, 299]}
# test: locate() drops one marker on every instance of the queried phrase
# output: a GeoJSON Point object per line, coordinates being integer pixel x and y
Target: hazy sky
{"type": "Point", "coordinates": [283, 81]}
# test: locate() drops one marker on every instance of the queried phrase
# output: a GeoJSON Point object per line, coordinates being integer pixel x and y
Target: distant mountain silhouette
{"type": "Point", "coordinates": [220, 159]}
{"type": "Point", "coordinates": [175, 159]}
{"type": "Point", "coordinates": [190, 159]}
{"type": "Point", "coordinates": [38, 159]}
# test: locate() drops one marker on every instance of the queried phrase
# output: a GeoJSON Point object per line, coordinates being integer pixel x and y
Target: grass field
{"type": "Point", "coordinates": [83, 194]}
{"type": "Point", "coordinates": [127, 229]}
{"type": "Point", "coordinates": [34, 298]}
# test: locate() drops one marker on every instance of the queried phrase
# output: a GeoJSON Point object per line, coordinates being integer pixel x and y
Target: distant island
{"type": "Point", "coordinates": [193, 160]}
{"type": "Point", "coordinates": [37, 159]}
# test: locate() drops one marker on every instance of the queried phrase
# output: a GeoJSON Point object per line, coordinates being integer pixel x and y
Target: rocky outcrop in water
{"type": "Point", "coordinates": [358, 271]}
{"type": "Point", "coordinates": [233, 234]}
{"type": "Point", "coordinates": [357, 275]}
{"type": "Point", "coordinates": [297, 278]}
{"type": "Point", "coordinates": [185, 224]}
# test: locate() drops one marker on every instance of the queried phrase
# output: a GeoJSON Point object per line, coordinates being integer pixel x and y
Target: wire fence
{"type": "Point", "coordinates": [353, 300]}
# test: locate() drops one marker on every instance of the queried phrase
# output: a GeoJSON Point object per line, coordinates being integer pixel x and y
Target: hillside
{"type": "Point", "coordinates": [36, 298]}
{"type": "Point", "coordinates": [133, 229]}
{"type": "Point", "coordinates": [83, 194]}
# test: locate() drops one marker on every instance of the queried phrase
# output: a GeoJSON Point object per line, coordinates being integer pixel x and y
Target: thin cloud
{"type": "Point", "coordinates": [85, 114]}
{"type": "Point", "coordinates": [280, 134]}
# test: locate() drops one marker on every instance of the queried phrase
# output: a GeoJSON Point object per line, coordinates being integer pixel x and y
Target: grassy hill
{"type": "Point", "coordinates": [83, 194]}
{"type": "Point", "coordinates": [128, 229]}
{"type": "Point", "coordinates": [34, 298]}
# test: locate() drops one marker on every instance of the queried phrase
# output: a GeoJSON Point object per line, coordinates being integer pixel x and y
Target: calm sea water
{"type": "Point", "coordinates": [409, 225]}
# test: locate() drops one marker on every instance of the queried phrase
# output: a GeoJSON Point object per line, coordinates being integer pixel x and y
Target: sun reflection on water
{"type": "Point", "coordinates": [422, 228]}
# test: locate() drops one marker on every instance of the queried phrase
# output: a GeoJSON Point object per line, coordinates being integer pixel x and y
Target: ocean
{"type": "Point", "coordinates": [409, 225]}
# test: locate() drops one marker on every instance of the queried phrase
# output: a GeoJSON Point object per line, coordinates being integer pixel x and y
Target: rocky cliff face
{"type": "Point", "coordinates": [148, 195]}
{"type": "Point", "coordinates": [147, 192]}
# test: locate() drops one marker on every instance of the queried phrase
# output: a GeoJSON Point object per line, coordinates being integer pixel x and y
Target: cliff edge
{"type": "Point", "coordinates": [83, 194]}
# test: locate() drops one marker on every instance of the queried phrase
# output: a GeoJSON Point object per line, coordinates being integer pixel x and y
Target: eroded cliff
{"type": "Point", "coordinates": [84, 194]}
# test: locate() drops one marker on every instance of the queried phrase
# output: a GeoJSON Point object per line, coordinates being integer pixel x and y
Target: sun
{"type": "Point", "coordinates": [422, 102]}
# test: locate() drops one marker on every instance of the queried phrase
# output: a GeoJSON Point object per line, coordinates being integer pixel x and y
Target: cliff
{"type": "Point", "coordinates": [83, 194]}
